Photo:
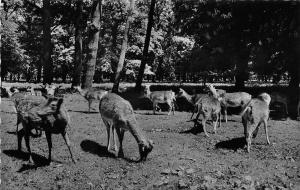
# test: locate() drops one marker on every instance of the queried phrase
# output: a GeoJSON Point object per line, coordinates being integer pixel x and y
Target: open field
{"type": "Point", "coordinates": [181, 157]}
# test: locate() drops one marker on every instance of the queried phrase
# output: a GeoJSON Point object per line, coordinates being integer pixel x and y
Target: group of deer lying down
{"type": "Point", "coordinates": [45, 112]}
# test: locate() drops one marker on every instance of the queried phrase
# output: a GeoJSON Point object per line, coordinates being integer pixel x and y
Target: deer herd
{"type": "Point", "coordinates": [45, 112]}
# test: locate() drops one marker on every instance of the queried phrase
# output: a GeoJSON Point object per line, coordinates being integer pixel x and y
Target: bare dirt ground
{"type": "Point", "coordinates": [182, 158]}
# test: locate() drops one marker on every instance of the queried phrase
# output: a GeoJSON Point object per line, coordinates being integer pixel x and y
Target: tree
{"type": "Point", "coordinates": [46, 44]}
{"type": "Point", "coordinates": [146, 47]}
{"type": "Point", "coordinates": [78, 44]}
{"type": "Point", "coordinates": [93, 39]}
{"type": "Point", "coordinates": [123, 48]}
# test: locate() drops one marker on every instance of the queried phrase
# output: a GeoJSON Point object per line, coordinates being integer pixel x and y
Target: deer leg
{"type": "Point", "coordinates": [225, 114]}
{"type": "Point", "coordinates": [20, 135]}
{"type": "Point", "coordinates": [154, 106]}
{"type": "Point", "coordinates": [68, 143]}
{"type": "Point", "coordinates": [49, 141]}
{"type": "Point", "coordinates": [215, 119]}
{"type": "Point", "coordinates": [255, 132]}
{"type": "Point", "coordinates": [219, 118]}
{"type": "Point", "coordinates": [120, 133]}
{"type": "Point", "coordinates": [170, 107]}
{"type": "Point", "coordinates": [90, 102]}
{"type": "Point", "coordinates": [266, 130]}
{"type": "Point", "coordinates": [114, 139]}
{"type": "Point", "coordinates": [249, 136]}
{"type": "Point", "coordinates": [108, 145]}
{"type": "Point", "coordinates": [27, 142]}
{"type": "Point", "coordinates": [173, 106]}
{"type": "Point", "coordinates": [203, 124]}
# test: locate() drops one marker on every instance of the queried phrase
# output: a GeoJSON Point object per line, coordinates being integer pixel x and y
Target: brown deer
{"type": "Point", "coordinates": [118, 116]}
{"type": "Point", "coordinates": [50, 117]}
{"type": "Point", "coordinates": [254, 113]}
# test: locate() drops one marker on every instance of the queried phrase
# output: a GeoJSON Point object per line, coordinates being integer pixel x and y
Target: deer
{"type": "Point", "coordinates": [23, 101]}
{"type": "Point", "coordinates": [50, 117]}
{"type": "Point", "coordinates": [192, 99]}
{"type": "Point", "coordinates": [209, 106]}
{"type": "Point", "coordinates": [33, 92]}
{"type": "Point", "coordinates": [161, 97]}
{"type": "Point", "coordinates": [118, 116]}
{"type": "Point", "coordinates": [91, 95]}
{"type": "Point", "coordinates": [234, 99]}
{"type": "Point", "coordinates": [255, 112]}
{"type": "Point", "coordinates": [277, 97]}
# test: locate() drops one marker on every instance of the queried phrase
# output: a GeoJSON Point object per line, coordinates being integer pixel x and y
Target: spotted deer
{"type": "Point", "coordinates": [118, 116]}
{"type": "Point", "coordinates": [209, 106]}
{"type": "Point", "coordinates": [255, 112]}
{"type": "Point", "coordinates": [50, 117]}
{"type": "Point", "coordinates": [91, 95]}
{"type": "Point", "coordinates": [161, 97]}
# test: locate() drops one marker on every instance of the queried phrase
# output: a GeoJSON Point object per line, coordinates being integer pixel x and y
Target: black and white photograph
{"type": "Point", "coordinates": [150, 94]}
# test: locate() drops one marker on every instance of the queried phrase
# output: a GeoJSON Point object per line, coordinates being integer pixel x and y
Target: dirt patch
{"type": "Point", "coordinates": [182, 156]}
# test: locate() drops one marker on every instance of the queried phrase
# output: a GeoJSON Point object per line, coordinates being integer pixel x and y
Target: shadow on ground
{"type": "Point", "coordinates": [232, 144]}
{"type": "Point", "coordinates": [39, 161]}
{"type": "Point", "coordinates": [99, 150]}
{"type": "Point", "coordinates": [85, 112]}
{"type": "Point", "coordinates": [198, 128]}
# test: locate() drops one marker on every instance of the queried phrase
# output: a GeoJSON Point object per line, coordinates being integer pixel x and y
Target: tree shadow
{"type": "Point", "coordinates": [39, 161]}
{"type": "Point", "coordinates": [232, 144]}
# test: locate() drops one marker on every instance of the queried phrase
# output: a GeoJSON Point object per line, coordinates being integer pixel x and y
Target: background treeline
{"type": "Point", "coordinates": [191, 41]}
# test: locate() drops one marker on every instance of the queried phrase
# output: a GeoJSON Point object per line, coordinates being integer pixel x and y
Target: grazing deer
{"type": "Point", "coordinates": [192, 99]}
{"type": "Point", "coordinates": [161, 97]}
{"type": "Point", "coordinates": [277, 97]}
{"type": "Point", "coordinates": [234, 99]}
{"type": "Point", "coordinates": [90, 94]}
{"type": "Point", "coordinates": [255, 112]}
{"type": "Point", "coordinates": [50, 117]}
{"type": "Point", "coordinates": [118, 115]}
{"type": "Point", "coordinates": [209, 106]}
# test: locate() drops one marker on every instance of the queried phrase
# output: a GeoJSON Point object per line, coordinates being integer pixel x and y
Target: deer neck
{"type": "Point", "coordinates": [137, 133]}
{"type": "Point", "coordinates": [188, 97]}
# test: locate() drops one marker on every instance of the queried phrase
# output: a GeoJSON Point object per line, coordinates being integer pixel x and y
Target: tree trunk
{"type": "Point", "coordinates": [78, 45]}
{"type": "Point", "coordinates": [93, 39]}
{"type": "Point", "coordinates": [123, 48]}
{"type": "Point", "coordinates": [46, 44]}
{"type": "Point", "coordinates": [39, 73]}
{"type": "Point", "coordinates": [146, 47]}
{"type": "Point", "coordinates": [241, 68]}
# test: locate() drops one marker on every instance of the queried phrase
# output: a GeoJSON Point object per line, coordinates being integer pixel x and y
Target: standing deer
{"type": "Point", "coordinates": [161, 97]}
{"type": "Point", "coordinates": [254, 113]}
{"type": "Point", "coordinates": [90, 94]}
{"type": "Point", "coordinates": [118, 115]}
{"type": "Point", "coordinates": [50, 117]}
{"type": "Point", "coordinates": [234, 99]}
{"type": "Point", "coordinates": [192, 99]}
{"type": "Point", "coordinates": [209, 106]}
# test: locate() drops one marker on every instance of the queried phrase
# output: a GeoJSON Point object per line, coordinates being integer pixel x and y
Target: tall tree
{"type": "Point", "coordinates": [78, 44]}
{"type": "Point", "coordinates": [93, 39]}
{"type": "Point", "coordinates": [46, 43]}
{"type": "Point", "coordinates": [123, 48]}
{"type": "Point", "coordinates": [146, 47]}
